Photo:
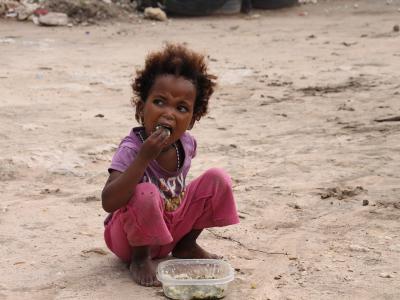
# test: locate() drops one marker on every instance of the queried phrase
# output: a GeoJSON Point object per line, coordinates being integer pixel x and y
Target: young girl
{"type": "Point", "coordinates": [153, 211]}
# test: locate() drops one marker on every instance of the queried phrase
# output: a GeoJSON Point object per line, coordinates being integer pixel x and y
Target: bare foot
{"type": "Point", "coordinates": [144, 272]}
{"type": "Point", "coordinates": [192, 251]}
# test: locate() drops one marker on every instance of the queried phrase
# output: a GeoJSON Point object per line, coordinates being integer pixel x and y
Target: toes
{"type": "Point", "coordinates": [156, 282]}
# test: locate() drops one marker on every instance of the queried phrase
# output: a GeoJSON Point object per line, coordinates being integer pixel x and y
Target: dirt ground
{"type": "Point", "coordinates": [316, 177]}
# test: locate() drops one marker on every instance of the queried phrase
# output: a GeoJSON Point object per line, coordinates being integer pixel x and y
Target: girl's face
{"type": "Point", "coordinates": [170, 103]}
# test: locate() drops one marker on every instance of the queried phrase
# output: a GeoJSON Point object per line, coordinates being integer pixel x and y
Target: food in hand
{"type": "Point", "coordinates": [166, 129]}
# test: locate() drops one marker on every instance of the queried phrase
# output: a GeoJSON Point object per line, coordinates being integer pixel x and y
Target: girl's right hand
{"type": "Point", "coordinates": [154, 144]}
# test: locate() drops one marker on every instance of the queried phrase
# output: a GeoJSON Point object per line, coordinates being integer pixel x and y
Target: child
{"type": "Point", "coordinates": [153, 211]}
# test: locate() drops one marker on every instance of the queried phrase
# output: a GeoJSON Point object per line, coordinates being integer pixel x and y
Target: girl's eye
{"type": "Point", "coordinates": [158, 102]}
{"type": "Point", "coordinates": [183, 109]}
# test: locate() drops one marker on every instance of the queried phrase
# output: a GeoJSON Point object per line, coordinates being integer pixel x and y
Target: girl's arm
{"type": "Point", "coordinates": [120, 187]}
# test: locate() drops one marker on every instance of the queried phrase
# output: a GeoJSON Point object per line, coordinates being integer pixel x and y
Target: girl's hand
{"type": "Point", "coordinates": [154, 144]}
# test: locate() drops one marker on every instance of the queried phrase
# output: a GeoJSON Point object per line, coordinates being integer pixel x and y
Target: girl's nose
{"type": "Point", "coordinates": [168, 114]}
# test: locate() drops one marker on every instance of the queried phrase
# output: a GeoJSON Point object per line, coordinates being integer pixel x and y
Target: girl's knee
{"type": "Point", "coordinates": [146, 197]}
{"type": "Point", "coordinates": [219, 176]}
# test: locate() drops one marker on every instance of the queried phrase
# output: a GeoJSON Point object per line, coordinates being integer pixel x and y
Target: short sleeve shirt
{"type": "Point", "coordinates": [171, 184]}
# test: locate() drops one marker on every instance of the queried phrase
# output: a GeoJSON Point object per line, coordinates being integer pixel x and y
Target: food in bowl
{"type": "Point", "coordinates": [195, 278]}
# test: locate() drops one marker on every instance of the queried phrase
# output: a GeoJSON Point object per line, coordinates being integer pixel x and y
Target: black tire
{"type": "Point", "coordinates": [273, 4]}
{"type": "Point", "coordinates": [193, 7]}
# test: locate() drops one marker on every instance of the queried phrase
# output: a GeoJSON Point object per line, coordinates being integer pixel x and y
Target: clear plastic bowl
{"type": "Point", "coordinates": [195, 278]}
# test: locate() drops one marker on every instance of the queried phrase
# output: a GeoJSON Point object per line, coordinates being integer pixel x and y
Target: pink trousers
{"type": "Point", "coordinates": [208, 202]}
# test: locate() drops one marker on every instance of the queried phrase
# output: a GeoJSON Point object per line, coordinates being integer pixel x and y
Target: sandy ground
{"type": "Point", "coordinates": [292, 121]}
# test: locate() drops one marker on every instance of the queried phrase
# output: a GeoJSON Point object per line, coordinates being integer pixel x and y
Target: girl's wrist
{"type": "Point", "coordinates": [143, 159]}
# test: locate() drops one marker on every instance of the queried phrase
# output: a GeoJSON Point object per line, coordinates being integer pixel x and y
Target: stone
{"type": "Point", "coordinates": [53, 19]}
{"type": "Point", "coordinates": [155, 13]}
{"type": "Point", "coordinates": [385, 275]}
{"type": "Point", "coordinates": [358, 248]}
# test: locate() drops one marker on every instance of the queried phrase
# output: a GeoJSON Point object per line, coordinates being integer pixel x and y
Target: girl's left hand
{"type": "Point", "coordinates": [154, 144]}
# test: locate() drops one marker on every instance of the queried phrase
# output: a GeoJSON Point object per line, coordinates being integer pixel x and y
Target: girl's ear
{"type": "Point", "coordinates": [191, 123]}
{"type": "Point", "coordinates": [139, 111]}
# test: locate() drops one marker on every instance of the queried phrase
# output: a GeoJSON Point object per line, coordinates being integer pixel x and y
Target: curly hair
{"type": "Point", "coordinates": [175, 59]}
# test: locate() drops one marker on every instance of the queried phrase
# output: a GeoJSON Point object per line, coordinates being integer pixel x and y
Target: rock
{"type": "Point", "coordinates": [11, 5]}
{"type": "Point", "coordinates": [25, 11]}
{"type": "Point", "coordinates": [365, 202]}
{"type": "Point", "coordinates": [22, 13]}
{"type": "Point", "coordinates": [358, 248]}
{"type": "Point", "coordinates": [155, 13]}
{"type": "Point", "coordinates": [396, 28]}
{"type": "Point", "coordinates": [53, 19]}
{"type": "Point", "coordinates": [385, 275]}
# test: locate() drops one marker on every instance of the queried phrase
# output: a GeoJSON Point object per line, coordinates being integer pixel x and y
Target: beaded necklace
{"type": "Point", "coordinates": [173, 145]}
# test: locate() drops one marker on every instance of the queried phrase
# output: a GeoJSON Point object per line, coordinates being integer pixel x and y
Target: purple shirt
{"type": "Point", "coordinates": [170, 184]}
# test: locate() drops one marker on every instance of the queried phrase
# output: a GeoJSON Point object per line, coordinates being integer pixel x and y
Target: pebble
{"type": "Point", "coordinates": [385, 275]}
{"type": "Point", "coordinates": [358, 248]}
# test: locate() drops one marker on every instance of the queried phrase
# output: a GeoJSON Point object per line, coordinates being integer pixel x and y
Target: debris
{"type": "Point", "coordinates": [94, 250]}
{"type": "Point", "coordinates": [40, 12]}
{"type": "Point", "coordinates": [244, 246]}
{"type": "Point", "coordinates": [92, 199]}
{"type": "Point", "coordinates": [342, 193]}
{"type": "Point", "coordinates": [50, 191]}
{"type": "Point", "coordinates": [294, 205]}
{"type": "Point", "coordinates": [155, 13]}
{"type": "Point", "coordinates": [392, 119]}
{"type": "Point", "coordinates": [346, 107]}
{"type": "Point", "coordinates": [85, 233]}
{"type": "Point", "coordinates": [348, 44]}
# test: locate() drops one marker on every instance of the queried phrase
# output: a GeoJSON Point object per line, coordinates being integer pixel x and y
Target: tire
{"type": "Point", "coordinates": [230, 7]}
{"type": "Point", "coordinates": [273, 4]}
{"type": "Point", "coordinates": [193, 7]}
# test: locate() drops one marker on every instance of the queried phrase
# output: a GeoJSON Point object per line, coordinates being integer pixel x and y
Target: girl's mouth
{"type": "Point", "coordinates": [167, 129]}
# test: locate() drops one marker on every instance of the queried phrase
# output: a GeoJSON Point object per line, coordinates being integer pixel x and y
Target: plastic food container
{"type": "Point", "coordinates": [195, 278]}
